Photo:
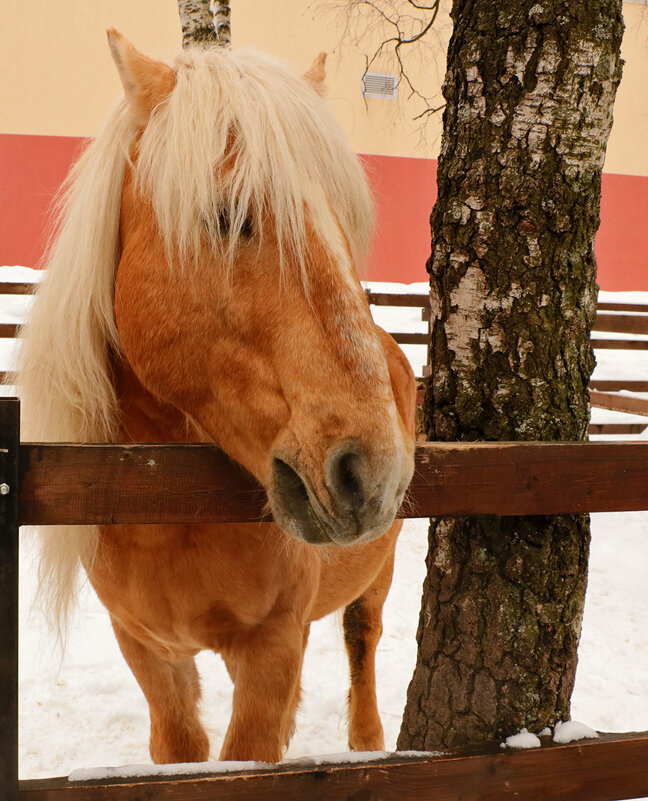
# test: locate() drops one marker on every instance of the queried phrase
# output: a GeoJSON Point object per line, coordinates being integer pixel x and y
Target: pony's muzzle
{"type": "Point", "coordinates": [344, 516]}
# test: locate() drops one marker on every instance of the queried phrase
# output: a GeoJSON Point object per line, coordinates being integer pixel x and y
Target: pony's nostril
{"type": "Point", "coordinates": [295, 508]}
{"type": "Point", "coordinates": [346, 480]}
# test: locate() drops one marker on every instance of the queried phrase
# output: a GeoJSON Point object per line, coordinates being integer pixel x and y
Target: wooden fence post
{"type": "Point", "coordinates": [9, 493]}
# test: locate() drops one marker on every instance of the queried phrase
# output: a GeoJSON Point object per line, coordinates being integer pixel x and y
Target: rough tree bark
{"type": "Point", "coordinates": [530, 88]}
{"type": "Point", "coordinates": [205, 22]}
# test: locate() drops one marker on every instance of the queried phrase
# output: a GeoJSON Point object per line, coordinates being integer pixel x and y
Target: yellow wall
{"type": "Point", "coordinates": [628, 146]}
{"type": "Point", "coordinates": [58, 78]}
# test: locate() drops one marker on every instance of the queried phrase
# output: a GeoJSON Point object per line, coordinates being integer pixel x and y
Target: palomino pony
{"type": "Point", "coordinates": [202, 288]}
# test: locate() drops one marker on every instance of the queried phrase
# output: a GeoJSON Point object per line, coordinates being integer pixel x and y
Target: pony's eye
{"type": "Point", "coordinates": [247, 229]}
{"type": "Point", "coordinates": [221, 227]}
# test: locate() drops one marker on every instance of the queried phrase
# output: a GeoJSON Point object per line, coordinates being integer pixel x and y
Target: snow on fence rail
{"type": "Point", "coordinates": [48, 484]}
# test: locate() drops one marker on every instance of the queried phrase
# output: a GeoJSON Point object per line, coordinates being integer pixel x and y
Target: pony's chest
{"type": "Point", "coordinates": [191, 589]}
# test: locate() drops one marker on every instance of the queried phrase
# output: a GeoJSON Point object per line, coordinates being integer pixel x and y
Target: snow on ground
{"type": "Point", "coordinates": [84, 709]}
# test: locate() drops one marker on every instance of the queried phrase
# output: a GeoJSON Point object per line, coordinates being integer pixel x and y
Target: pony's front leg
{"type": "Point", "coordinates": [266, 690]}
{"type": "Point", "coordinates": [172, 690]}
{"type": "Point", "coordinates": [362, 623]}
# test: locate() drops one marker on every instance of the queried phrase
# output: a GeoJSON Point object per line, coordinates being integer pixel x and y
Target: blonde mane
{"type": "Point", "coordinates": [241, 138]}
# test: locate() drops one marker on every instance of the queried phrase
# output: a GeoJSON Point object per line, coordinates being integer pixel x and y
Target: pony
{"type": "Point", "coordinates": [201, 287]}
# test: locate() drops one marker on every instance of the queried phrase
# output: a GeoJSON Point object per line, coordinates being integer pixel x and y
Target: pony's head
{"type": "Point", "coordinates": [236, 299]}
{"type": "Point", "coordinates": [243, 213]}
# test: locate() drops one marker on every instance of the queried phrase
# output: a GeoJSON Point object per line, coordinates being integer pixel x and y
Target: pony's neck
{"type": "Point", "coordinates": [143, 417]}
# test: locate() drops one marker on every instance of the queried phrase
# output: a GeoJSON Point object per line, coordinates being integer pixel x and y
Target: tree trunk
{"type": "Point", "coordinates": [203, 27]}
{"type": "Point", "coordinates": [222, 22]}
{"type": "Point", "coordinates": [530, 88]}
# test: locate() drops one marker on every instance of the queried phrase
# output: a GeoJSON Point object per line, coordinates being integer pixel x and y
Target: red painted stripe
{"type": "Point", "coordinates": [32, 168]}
{"type": "Point", "coordinates": [622, 240]}
{"type": "Point", "coordinates": [404, 190]}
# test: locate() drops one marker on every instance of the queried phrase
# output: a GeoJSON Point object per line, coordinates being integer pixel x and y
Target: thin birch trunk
{"type": "Point", "coordinates": [222, 22]}
{"type": "Point", "coordinates": [202, 26]}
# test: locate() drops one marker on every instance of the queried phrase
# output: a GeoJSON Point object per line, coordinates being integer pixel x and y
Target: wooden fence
{"type": "Point", "coordinates": [618, 318]}
{"type": "Point", "coordinates": [49, 484]}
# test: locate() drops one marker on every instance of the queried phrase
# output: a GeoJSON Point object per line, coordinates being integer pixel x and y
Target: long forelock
{"type": "Point", "coordinates": [242, 137]}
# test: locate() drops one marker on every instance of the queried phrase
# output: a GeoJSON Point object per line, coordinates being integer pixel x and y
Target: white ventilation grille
{"type": "Point", "coordinates": [380, 84]}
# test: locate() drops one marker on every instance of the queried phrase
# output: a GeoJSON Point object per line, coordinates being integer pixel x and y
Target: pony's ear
{"type": "Point", "coordinates": [146, 82]}
{"type": "Point", "coordinates": [315, 75]}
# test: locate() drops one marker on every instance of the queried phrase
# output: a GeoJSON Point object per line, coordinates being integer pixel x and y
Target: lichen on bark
{"type": "Point", "coordinates": [529, 92]}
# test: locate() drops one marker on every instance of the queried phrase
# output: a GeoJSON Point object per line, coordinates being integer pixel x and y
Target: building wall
{"type": "Point", "coordinates": [59, 83]}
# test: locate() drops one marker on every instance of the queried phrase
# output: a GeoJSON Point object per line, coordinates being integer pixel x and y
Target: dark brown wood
{"type": "Point", "coordinates": [407, 338]}
{"type": "Point", "coordinates": [107, 484]}
{"type": "Point", "coordinates": [615, 385]}
{"type": "Point", "coordinates": [11, 288]}
{"type": "Point", "coordinates": [9, 495]}
{"type": "Point", "coordinates": [622, 323]}
{"type": "Point", "coordinates": [520, 478]}
{"type": "Point", "coordinates": [623, 307]}
{"type": "Point", "coordinates": [396, 299]}
{"type": "Point", "coordinates": [619, 403]}
{"type": "Point", "coordinates": [136, 484]}
{"type": "Point", "coordinates": [616, 428]}
{"type": "Point", "coordinates": [619, 344]}
{"type": "Point", "coordinates": [609, 768]}
{"type": "Point", "coordinates": [8, 330]}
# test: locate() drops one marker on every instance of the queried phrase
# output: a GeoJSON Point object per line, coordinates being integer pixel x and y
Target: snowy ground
{"type": "Point", "coordinates": [85, 709]}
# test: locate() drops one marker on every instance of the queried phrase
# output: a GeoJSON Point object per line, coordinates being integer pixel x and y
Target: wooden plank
{"type": "Point", "coordinates": [620, 307]}
{"type": "Point", "coordinates": [108, 484]}
{"type": "Point", "coordinates": [607, 769]}
{"type": "Point", "coordinates": [622, 323]}
{"type": "Point", "coordinates": [11, 288]}
{"type": "Point", "coordinates": [616, 428]}
{"type": "Point", "coordinates": [619, 344]}
{"type": "Point", "coordinates": [8, 330]}
{"type": "Point", "coordinates": [619, 403]}
{"type": "Point", "coordinates": [522, 478]}
{"type": "Point", "coordinates": [615, 385]}
{"type": "Point", "coordinates": [407, 338]}
{"type": "Point", "coordinates": [9, 495]}
{"type": "Point", "coordinates": [397, 299]}
{"type": "Point", "coordinates": [136, 484]}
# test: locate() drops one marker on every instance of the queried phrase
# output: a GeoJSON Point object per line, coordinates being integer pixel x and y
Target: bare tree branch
{"type": "Point", "coordinates": [402, 25]}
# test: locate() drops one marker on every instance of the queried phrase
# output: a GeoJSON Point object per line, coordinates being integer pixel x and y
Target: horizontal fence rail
{"type": "Point", "coordinates": [596, 770]}
{"type": "Point", "coordinates": [108, 484]}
